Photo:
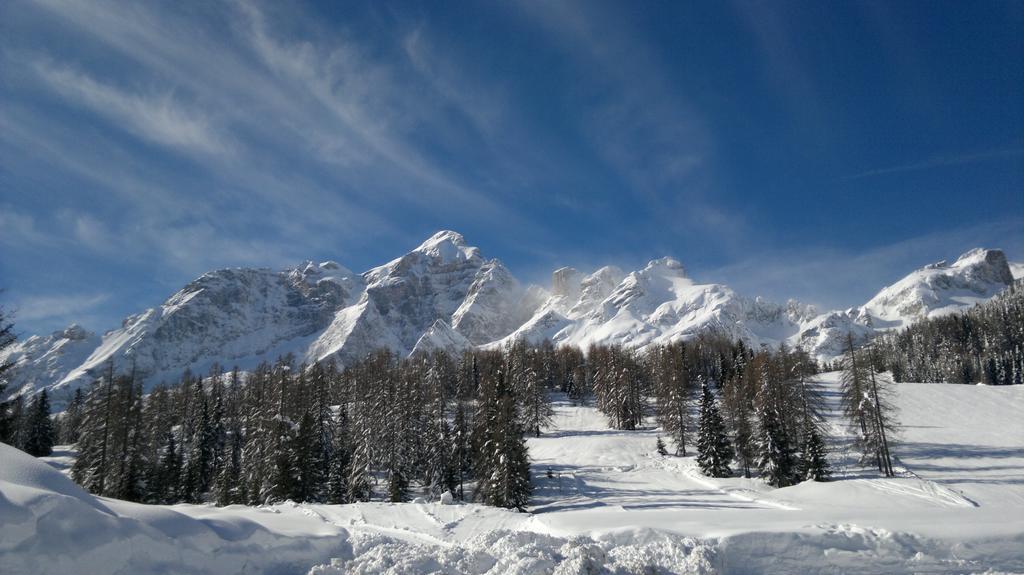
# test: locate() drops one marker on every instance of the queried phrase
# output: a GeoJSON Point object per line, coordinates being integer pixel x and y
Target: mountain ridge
{"type": "Point", "coordinates": [445, 295]}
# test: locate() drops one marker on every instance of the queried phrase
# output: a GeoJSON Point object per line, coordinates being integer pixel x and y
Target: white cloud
{"type": "Point", "coordinates": [157, 118]}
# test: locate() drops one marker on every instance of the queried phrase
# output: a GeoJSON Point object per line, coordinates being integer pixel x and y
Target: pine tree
{"type": "Point", "coordinates": [463, 450]}
{"type": "Point", "coordinates": [398, 485]}
{"type": "Point", "coordinates": [199, 464]}
{"type": "Point", "coordinates": [714, 452]}
{"type": "Point", "coordinates": [170, 472]}
{"type": "Point", "coordinates": [358, 478]}
{"type": "Point", "coordinates": [307, 465]}
{"type": "Point", "coordinates": [341, 459]}
{"type": "Point", "coordinates": [504, 468]}
{"type": "Point", "coordinates": [864, 403]}
{"type": "Point", "coordinates": [776, 458]}
{"type": "Point", "coordinates": [72, 418]}
{"type": "Point", "coordinates": [92, 466]}
{"type": "Point", "coordinates": [7, 339]}
{"type": "Point", "coordinates": [813, 463]}
{"type": "Point", "coordinates": [532, 393]}
{"type": "Point", "coordinates": [672, 388]}
{"type": "Point", "coordinates": [38, 435]}
{"type": "Point", "coordinates": [229, 480]}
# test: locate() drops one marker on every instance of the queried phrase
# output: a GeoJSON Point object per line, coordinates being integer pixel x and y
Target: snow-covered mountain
{"type": "Point", "coordinates": [941, 288]}
{"type": "Point", "coordinates": [444, 295]}
{"type": "Point", "coordinates": [41, 360]}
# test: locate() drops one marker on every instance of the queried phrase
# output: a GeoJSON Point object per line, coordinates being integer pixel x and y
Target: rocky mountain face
{"type": "Point", "coordinates": [444, 295]}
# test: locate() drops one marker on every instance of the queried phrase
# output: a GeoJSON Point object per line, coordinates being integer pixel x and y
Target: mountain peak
{"type": "Point", "coordinates": [667, 266]}
{"type": "Point", "coordinates": [448, 246]}
{"type": "Point", "coordinates": [993, 258]}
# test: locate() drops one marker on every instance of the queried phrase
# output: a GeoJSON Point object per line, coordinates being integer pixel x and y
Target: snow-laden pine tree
{"type": "Point", "coordinates": [167, 480]}
{"type": "Point", "coordinates": [306, 453]}
{"type": "Point", "coordinates": [503, 466]}
{"type": "Point", "coordinates": [359, 471]}
{"type": "Point", "coordinates": [441, 465]}
{"type": "Point", "coordinates": [94, 444]}
{"type": "Point", "coordinates": [229, 483]}
{"type": "Point", "coordinates": [618, 386]}
{"type": "Point", "coordinates": [672, 386]}
{"type": "Point", "coordinates": [531, 391]}
{"type": "Point", "coordinates": [324, 429]}
{"type": "Point", "coordinates": [714, 451]}
{"type": "Point", "coordinates": [776, 459]}
{"type": "Point", "coordinates": [360, 418]}
{"type": "Point", "coordinates": [200, 448]}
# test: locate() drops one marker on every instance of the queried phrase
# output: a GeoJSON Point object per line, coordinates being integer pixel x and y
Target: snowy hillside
{"type": "Point", "coordinates": [603, 500]}
{"type": "Point", "coordinates": [42, 360]}
{"type": "Point", "coordinates": [445, 295]}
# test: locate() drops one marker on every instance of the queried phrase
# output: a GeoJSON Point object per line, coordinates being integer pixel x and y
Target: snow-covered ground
{"type": "Point", "coordinates": [610, 503]}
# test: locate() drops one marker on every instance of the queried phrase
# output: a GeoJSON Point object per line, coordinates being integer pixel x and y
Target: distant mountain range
{"type": "Point", "coordinates": [445, 295]}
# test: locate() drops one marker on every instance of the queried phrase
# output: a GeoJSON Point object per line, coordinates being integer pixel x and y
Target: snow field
{"type": "Point", "coordinates": [612, 506]}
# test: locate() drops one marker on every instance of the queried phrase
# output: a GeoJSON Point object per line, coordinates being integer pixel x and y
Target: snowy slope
{"type": "Point", "coordinates": [41, 360]}
{"type": "Point", "coordinates": [440, 337]}
{"type": "Point", "coordinates": [324, 311]}
{"type": "Point", "coordinates": [956, 506]}
{"type": "Point", "coordinates": [1017, 269]}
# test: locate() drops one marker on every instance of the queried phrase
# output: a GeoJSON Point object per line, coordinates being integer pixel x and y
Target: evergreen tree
{"type": "Point", "coordinates": [72, 418]}
{"type": "Point", "coordinates": [813, 463]}
{"type": "Point", "coordinates": [167, 487]}
{"type": "Point", "coordinates": [341, 459]}
{"type": "Point", "coordinates": [229, 479]}
{"type": "Point", "coordinates": [93, 462]}
{"type": "Point", "coordinates": [714, 452]}
{"type": "Point", "coordinates": [38, 435]}
{"type": "Point", "coordinates": [200, 460]}
{"type": "Point", "coordinates": [504, 469]}
{"type": "Point", "coordinates": [308, 455]}
{"type": "Point", "coordinates": [776, 459]}
{"type": "Point", "coordinates": [7, 339]}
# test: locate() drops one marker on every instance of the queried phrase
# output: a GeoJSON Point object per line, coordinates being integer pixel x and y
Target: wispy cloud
{"type": "Point", "coordinates": [1015, 154]}
{"type": "Point", "coordinates": [36, 308]}
{"type": "Point", "coordinates": [838, 278]}
{"type": "Point", "coordinates": [19, 230]}
{"type": "Point", "coordinates": [158, 118]}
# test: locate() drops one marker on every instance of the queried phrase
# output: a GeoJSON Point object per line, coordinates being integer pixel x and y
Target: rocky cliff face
{"type": "Point", "coordinates": [444, 295]}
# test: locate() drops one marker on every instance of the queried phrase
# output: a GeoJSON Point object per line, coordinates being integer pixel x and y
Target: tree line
{"type": "Point", "coordinates": [392, 428]}
{"type": "Point", "coordinates": [984, 344]}
{"type": "Point", "coordinates": [383, 428]}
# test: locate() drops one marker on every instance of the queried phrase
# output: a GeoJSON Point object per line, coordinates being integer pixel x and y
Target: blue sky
{"type": "Point", "coordinates": [809, 149]}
